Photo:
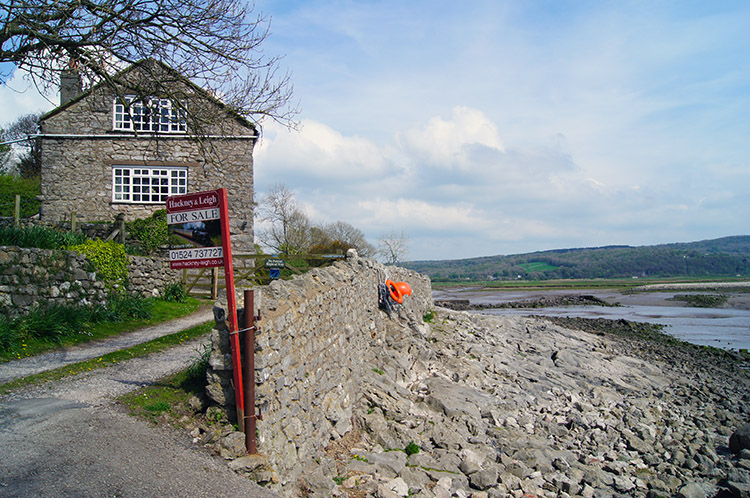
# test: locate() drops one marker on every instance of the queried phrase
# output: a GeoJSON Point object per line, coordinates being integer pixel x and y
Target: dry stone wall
{"type": "Point", "coordinates": [30, 277]}
{"type": "Point", "coordinates": [319, 333]}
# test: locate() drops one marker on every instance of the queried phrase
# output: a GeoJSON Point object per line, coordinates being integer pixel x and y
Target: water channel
{"type": "Point", "coordinates": [727, 327]}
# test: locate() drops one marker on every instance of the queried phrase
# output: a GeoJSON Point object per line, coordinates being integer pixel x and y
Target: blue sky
{"type": "Point", "coordinates": [483, 128]}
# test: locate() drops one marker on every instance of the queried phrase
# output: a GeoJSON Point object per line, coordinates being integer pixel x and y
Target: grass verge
{"type": "Point", "coordinates": [169, 399]}
{"type": "Point", "coordinates": [145, 349]}
{"type": "Point", "coordinates": [160, 311]}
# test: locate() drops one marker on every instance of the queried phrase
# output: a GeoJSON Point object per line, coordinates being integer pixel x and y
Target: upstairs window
{"type": "Point", "coordinates": [147, 184]}
{"type": "Point", "coordinates": [153, 116]}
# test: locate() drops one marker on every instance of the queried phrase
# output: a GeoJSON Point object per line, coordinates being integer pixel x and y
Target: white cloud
{"type": "Point", "coordinates": [317, 151]}
{"type": "Point", "coordinates": [422, 216]}
{"type": "Point", "coordinates": [451, 143]}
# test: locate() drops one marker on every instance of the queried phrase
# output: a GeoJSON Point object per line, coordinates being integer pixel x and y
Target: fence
{"type": "Point", "coordinates": [251, 270]}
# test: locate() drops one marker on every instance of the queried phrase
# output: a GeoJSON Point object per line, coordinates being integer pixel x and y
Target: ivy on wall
{"type": "Point", "coordinates": [109, 260]}
{"type": "Point", "coordinates": [151, 232]}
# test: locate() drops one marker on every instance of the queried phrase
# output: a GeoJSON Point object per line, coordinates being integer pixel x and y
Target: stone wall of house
{"type": "Point", "coordinates": [30, 277]}
{"type": "Point", "coordinates": [319, 333]}
{"type": "Point", "coordinates": [80, 148]}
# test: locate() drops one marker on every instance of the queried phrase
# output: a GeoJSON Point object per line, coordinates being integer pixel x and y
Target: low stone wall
{"type": "Point", "coordinates": [149, 275]}
{"type": "Point", "coordinates": [43, 276]}
{"type": "Point", "coordinates": [319, 333]}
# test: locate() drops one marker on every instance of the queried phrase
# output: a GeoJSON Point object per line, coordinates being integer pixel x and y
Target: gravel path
{"type": "Point", "coordinates": [68, 438]}
{"type": "Point", "coordinates": [34, 364]}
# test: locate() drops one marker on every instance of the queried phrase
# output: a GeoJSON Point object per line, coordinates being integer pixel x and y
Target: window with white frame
{"type": "Point", "coordinates": [153, 115]}
{"type": "Point", "coordinates": [147, 184]}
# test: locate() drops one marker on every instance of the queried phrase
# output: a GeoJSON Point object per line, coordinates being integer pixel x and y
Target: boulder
{"type": "Point", "coordinates": [740, 439]}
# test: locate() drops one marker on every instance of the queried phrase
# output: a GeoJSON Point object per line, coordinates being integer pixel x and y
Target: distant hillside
{"type": "Point", "coordinates": [727, 256]}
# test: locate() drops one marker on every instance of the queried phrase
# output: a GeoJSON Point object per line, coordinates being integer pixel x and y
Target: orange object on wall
{"type": "Point", "coordinates": [398, 290]}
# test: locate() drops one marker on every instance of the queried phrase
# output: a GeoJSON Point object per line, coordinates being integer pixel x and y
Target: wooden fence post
{"type": "Point", "coordinates": [214, 283]}
{"type": "Point", "coordinates": [17, 211]}
{"type": "Point", "coordinates": [73, 221]}
{"type": "Point", "coordinates": [121, 226]}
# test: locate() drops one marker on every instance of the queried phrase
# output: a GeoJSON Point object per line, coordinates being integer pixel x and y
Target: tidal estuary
{"type": "Point", "coordinates": [727, 327]}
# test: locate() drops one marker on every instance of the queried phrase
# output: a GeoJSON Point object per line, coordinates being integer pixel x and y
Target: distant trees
{"type": "Point", "coordinates": [288, 230]}
{"type": "Point", "coordinates": [722, 257]}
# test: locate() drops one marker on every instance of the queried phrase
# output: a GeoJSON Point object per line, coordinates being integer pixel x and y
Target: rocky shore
{"type": "Point", "coordinates": [484, 406]}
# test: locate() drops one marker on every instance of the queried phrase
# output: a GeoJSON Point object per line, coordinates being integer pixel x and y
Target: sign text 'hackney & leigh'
{"type": "Point", "coordinates": [195, 225]}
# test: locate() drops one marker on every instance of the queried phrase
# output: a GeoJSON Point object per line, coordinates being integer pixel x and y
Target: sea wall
{"type": "Point", "coordinates": [30, 277]}
{"type": "Point", "coordinates": [320, 333]}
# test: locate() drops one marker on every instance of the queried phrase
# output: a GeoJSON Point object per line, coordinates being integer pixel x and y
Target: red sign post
{"type": "Point", "coordinates": [199, 232]}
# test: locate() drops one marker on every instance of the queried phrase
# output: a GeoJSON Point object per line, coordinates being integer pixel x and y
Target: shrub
{"type": "Point", "coordinates": [109, 260]}
{"type": "Point", "coordinates": [152, 232]}
{"type": "Point", "coordinates": [174, 292]}
{"type": "Point", "coordinates": [411, 449]}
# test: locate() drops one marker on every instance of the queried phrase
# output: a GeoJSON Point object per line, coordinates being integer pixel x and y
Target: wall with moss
{"type": "Point", "coordinates": [30, 277]}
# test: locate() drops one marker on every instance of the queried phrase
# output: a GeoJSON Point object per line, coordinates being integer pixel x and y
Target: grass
{"type": "Point", "coordinates": [109, 359]}
{"type": "Point", "coordinates": [21, 337]}
{"type": "Point", "coordinates": [169, 397]}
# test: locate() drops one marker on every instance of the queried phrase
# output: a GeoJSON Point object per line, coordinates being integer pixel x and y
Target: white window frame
{"type": "Point", "coordinates": [152, 116]}
{"type": "Point", "coordinates": [147, 184]}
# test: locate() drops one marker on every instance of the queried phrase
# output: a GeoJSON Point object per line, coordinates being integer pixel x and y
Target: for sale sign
{"type": "Point", "coordinates": [195, 230]}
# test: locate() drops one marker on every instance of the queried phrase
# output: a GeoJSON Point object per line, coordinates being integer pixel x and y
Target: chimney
{"type": "Point", "coordinates": [70, 85]}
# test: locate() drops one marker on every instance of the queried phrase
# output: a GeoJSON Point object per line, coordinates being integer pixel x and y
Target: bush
{"type": "Point", "coordinates": [109, 260]}
{"type": "Point", "coordinates": [38, 236]}
{"type": "Point", "coordinates": [152, 232]}
{"type": "Point", "coordinates": [27, 188]}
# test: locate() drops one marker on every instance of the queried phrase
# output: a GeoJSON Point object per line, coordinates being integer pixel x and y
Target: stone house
{"type": "Point", "coordinates": [101, 157]}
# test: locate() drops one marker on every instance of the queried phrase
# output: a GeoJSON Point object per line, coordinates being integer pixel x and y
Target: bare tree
{"type": "Point", "coordinates": [348, 234]}
{"type": "Point", "coordinates": [216, 44]}
{"type": "Point", "coordinates": [393, 246]}
{"type": "Point", "coordinates": [22, 131]}
{"type": "Point", "coordinates": [289, 230]}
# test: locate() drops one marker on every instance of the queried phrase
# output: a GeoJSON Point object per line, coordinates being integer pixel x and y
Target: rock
{"type": "Point", "coordinates": [232, 445]}
{"type": "Point", "coordinates": [395, 487]}
{"type": "Point", "coordinates": [624, 484]}
{"type": "Point", "coordinates": [255, 467]}
{"type": "Point", "coordinates": [691, 490]}
{"type": "Point", "coordinates": [739, 490]}
{"type": "Point", "coordinates": [483, 479]}
{"type": "Point", "coordinates": [740, 439]}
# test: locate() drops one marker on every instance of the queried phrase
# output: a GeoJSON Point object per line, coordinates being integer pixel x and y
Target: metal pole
{"type": "Point", "coordinates": [249, 375]}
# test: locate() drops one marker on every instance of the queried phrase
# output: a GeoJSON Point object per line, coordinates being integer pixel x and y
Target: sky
{"type": "Point", "coordinates": [481, 128]}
